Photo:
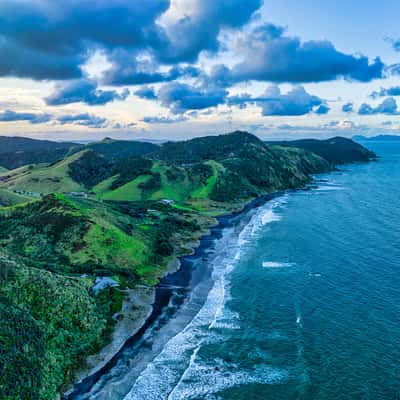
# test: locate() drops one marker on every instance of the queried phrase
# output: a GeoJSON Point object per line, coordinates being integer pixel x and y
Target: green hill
{"type": "Point", "coordinates": [43, 179]}
{"type": "Point", "coordinates": [8, 198]}
{"type": "Point", "coordinates": [207, 148]}
{"type": "Point", "coordinates": [16, 152]}
{"type": "Point", "coordinates": [119, 149]}
{"type": "Point", "coordinates": [337, 150]}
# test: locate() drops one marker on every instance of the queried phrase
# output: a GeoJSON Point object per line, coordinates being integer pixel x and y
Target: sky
{"type": "Point", "coordinates": [174, 69]}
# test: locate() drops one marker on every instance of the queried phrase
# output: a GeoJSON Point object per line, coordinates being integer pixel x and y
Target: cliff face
{"type": "Point", "coordinates": [138, 214]}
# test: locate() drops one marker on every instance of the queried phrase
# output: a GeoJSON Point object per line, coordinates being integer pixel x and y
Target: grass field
{"type": "Point", "coordinates": [8, 198]}
{"type": "Point", "coordinates": [179, 190]}
{"type": "Point", "coordinates": [128, 192]}
{"type": "Point", "coordinates": [42, 178]}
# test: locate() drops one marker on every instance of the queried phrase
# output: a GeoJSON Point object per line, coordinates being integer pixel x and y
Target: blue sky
{"type": "Point", "coordinates": [172, 69]}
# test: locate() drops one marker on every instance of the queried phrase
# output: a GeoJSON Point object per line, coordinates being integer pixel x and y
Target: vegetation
{"type": "Point", "coordinates": [49, 322]}
{"type": "Point", "coordinates": [123, 210]}
{"type": "Point", "coordinates": [8, 198]}
{"type": "Point", "coordinates": [114, 150]}
{"type": "Point", "coordinates": [16, 152]}
{"type": "Point", "coordinates": [337, 150]}
{"type": "Point", "coordinates": [90, 169]}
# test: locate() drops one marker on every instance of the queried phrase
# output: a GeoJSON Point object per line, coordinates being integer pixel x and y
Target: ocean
{"type": "Point", "coordinates": [302, 301]}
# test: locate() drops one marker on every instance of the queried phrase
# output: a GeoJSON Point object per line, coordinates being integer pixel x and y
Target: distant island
{"type": "Point", "coordinates": [386, 138]}
{"type": "Point", "coordinates": [86, 230]}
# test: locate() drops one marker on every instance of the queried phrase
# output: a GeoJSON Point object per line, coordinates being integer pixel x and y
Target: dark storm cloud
{"type": "Point", "coordinates": [146, 92]}
{"type": "Point", "coordinates": [273, 103]}
{"type": "Point", "coordinates": [348, 108]}
{"type": "Point", "coordinates": [128, 69]}
{"type": "Point", "coordinates": [388, 107]}
{"type": "Point", "coordinates": [49, 39]}
{"type": "Point", "coordinates": [18, 60]}
{"type": "Point", "coordinates": [322, 109]}
{"type": "Point", "coordinates": [85, 91]}
{"type": "Point", "coordinates": [269, 55]}
{"type": "Point", "coordinates": [33, 118]}
{"type": "Point", "coordinates": [181, 97]}
{"type": "Point", "coordinates": [85, 119]}
{"type": "Point", "coordinates": [383, 92]}
{"type": "Point", "coordinates": [198, 31]}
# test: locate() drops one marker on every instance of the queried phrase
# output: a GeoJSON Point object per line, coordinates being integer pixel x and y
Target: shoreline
{"type": "Point", "coordinates": [184, 277]}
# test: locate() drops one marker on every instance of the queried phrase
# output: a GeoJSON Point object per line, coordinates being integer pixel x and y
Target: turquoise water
{"type": "Point", "coordinates": [304, 302]}
{"type": "Point", "coordinates": [316, 295]}
{"type": "Point", "coordinates": [312, 302]}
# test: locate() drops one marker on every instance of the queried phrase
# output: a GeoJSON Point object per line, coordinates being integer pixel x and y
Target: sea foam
{"type": "Point", "coordinates": [272, 264]}
{"type": "Point", "coordinates": [177, 373]}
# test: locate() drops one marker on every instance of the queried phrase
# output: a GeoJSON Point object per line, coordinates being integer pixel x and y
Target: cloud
{"type": "Point", "coordinates": [388, 107]}
{"type": "Point", "coordinates": [164, 120]}
{"type": "Point", "coordinates": [12, 116]}
{"type": "Point", "coordinates": [196, 25]}
{"type": "Point", "coordinates": [128, 68]}
{"type": "Point", "coordinates": [146, 92]}
{"type": "Point", "coordinates": [48, 39]}
{"type": "Point", "coordinates": [85, 119]}
{"type": "Point", "coordinates": [296, 102]}
{"type": "Point", "coordinates": [392, 91]}
{"type": "Point", "coordinates": [85, 91]}
{"type": "Point", "coordinates": [181, 97]}
{"type": "Point", "coordinates": [393, 69]}
{"type": "Point", "coordinates": [268, 55]}
{"type": "Point", "coordinates": [395, 43]}
{"type": "Point", "coordinates": [322, 109]}
{"type": "Point", "coordinates": [19, 60]}
{"type": "Point", "coordinates": [348, 108]}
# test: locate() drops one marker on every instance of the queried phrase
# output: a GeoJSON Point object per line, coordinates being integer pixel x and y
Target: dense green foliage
{"type": "Point", "coordinates": [336, 150]}
{"type": "Point", "coordinates": [16, 151]}
{"type": "Point", "coordinates": [42, 231]}
{"type": "Point", "coordinates": [114, 150]}
{"type": "Point", "coordinates": [90, 169]}
{"type": "Point", "coordinates": [129, 169]}
{"type": "Point", "coordinates": [206, 148]}
{"type": "Point", "coordinates": [49, 323]}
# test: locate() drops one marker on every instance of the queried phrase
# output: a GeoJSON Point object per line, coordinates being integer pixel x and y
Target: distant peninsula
{"type": "Point", "coordinates": [386, 138]}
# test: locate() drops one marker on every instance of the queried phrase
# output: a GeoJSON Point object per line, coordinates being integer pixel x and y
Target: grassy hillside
{"type": "Point", "coordinates": [8, 198]}
{"type": "Point", "coordinates": [16, 152]}
{"type": "Point", "coordinates": [164, 181]}
{"type": "Point", "coordinates": [51, 251]}
{"type": "Point", "coordinates": [226, 169]}
{"type": "Point", "coordinates": [43, 179]}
